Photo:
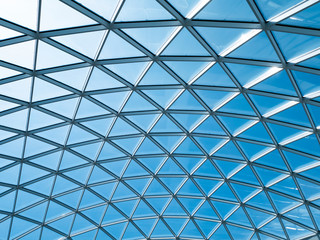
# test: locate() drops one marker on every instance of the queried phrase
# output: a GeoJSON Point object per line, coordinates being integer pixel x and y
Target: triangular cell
{"type": "Point", "coordinates": [179, 45]}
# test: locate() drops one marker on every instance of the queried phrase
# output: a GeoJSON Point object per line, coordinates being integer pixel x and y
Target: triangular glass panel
{"type": "Point", "coordinates": [138, 185]}
{"type": "Point", "coordinates": [105, 190]}
{"type": "Point", "coordinates": [207, 169]}
{"type": "Point", "coordinates": [146, 225]}
{"type": "Point", "coordinates": [156, 75]}
{"type": "Point", "coordinates": [158, 203]}
{"type": "Point", "coordinates": [259, 47]}
{"type": "Point", "coordinates": [244, 192]}
{"type": "Point", "coordinates": [34, 147]}
{"type": "Point", "coordinates": [172, 183]}
{"type": "Point", "coordinates": [17, 89]}
{"type": "Point", "coordinates": [101, 126]}
{"type": "Point", "coordinates": [78, 134]}
{"type": "Point", "coordinates": [188, 146]}
{"type": "Point", "coordinates": [65, 108]}
{"type": "Point", "coordinates": [230, 10]}
{"type": "Point", "coordinates": [215, 76]}
{"type": "Point", "coordinates": [49, 56]}
{"type": "Point", "coordinates": [191, 204]}
{"type": "Point", "coordinates": [261, 201]}
{"type": "Point", "coordinates": [112, 215]}
{"type": "Point", "coordinates": [233, 106]}
{"type": "Point", "coordinates": [89, 150]}
{"type": "Point", "coordinates": [39, 119]}
{"type": "Point", "coordinates": [57, 135]}
{"type": "Point", "coordinates": [137, 103]}
{"type": "Point", "coordinates": [174, 209]}
{"type": "Point", "coordinates": [224, 209]}
{"type": "Point", "coordinates": [296, 231]}
{"type": "Point", "coordinates": [117, 47]}
{"type": "Point", "coordinates": [224, 192]}
{"type": "Point", "coordinates": [74, 77]}
{"type": "Point", "coordinates": [210, 145]}
{"type": "Point", "coordinates": [165, 125]}
{"type": "Point", "coordinates": [121, 127]}
{"type": "Point", "coordinates": [127, 207]}
{"type": "Point", "coordinates": [99, 175]}
{"type": "Point", "coordinates": [136, 10]}
{"type": "Point", "coordinates": [206, 226]}
{"type": "Point", "coordinates": [206, 211]}
{"type": "Point", "coordinates": [116, 230]}
{"type": "Point", "coordinates": [88, 108]}
{"type": "Point", "coordinates": [56, 15]}
{"type": "Point", "coordinates": [95, 6]}
{"type": "Point", "coordinates": [257, 132]}
{"type": "Point", "coordinates": [209, 126]}
{"type": "Point", "coordinates": [239, 216]}
{"type": "Point", "coordinates": [186, 101]}
{"type": "Point", "coordinates": [151, 38]}
{"type": "Point", "coordinates": [86, 43]}
{"type": "Point", "coordinates": [272, 159]}
{"type": "Point", "coordinates": [228, 168]}
{"type": "Point", "coordinates": [187, 71]}
{"type": "Point", "coordinates": [222, 40]}
{"type": "Point", "coordinates": [80, 224]}
{"type": "Point", "coordinates": [308, 144]}
{"type": "Point", "coordinates": [155, 188]}
{"type": "Point", "coordinates": [88, 199]}
{"type": "Point", "coordinates": [152, 164]}
{"type": "Point", "coordinates": [144, 121]}
{"type": "Point", "coordinates": [241, 233]}
{"type": "Point", "coordinates": [100, 80]}
{"type": "Point", "coordinates": [148, 147]}
{"type": "Point", "coordinates": [113, 100]}
{"type": "Point", "coordinates": [295, 114]}
{"type": "Point", "coordinates": [128, 144]}
{"type": "Point", "coordinates": [208, 185]}
{"type": "Point", "coordinates": [161, 230]}
{"type": "Point", "coordinates": [214, 99]}
{"type": "Point", "coordinates": [70, 160]}
{"type": "Point", "coordinates": [277, 83]}
{"type": "Point", "coordinates": [253, 151]}
{"type": "Point", "coordinates": [143, 210]}
{"type": "Point", "coordinates": [300, 214]}
{"type": "Point", "coordinates": [246, 175]}
{"type": "Point", "coordinates": [21, 54]}
{"type": "Point", "coordinates": [294, 45]}
{"type": "Point", "coordinates": [310, 190]}
{"type": "Point", "coordinates": [116, 167]}
{"type": "Point", "coordinates": [269, 106]}
{"type": "Point", "coordinates": [191, 231]}
{"type": "Point", "coordinates": [190, 189]}
{"type": "Point", "coordinates": [259, 218]}
{"type": "Point", "coordinates": [123, 192]}
{"type": "Point", "coordinates": [188, 163]}
{"type": "Point", "coordinates": [229, 150]}
{"type": "Point", "coordinates": [162, 97]}
{"type": "Point", "coordinates": [132, 232]}
{"type": "Point", "coordinates": [134, 169]}
{"type": "Point", "coordinates": [13, 148]}
{"type": "Point", "coordinates": [283, 204]}
{"type": "Point", "coordinates": [179, 45]}
{"type": "Point", "coordinates": [188, 121]}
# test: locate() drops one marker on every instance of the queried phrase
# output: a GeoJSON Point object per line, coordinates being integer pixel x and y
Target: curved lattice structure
{"type": "Point", "coordinates": [159, 119]}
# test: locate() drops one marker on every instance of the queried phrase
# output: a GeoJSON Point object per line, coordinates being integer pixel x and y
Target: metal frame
{"type": "Point", "coordinates": [213, 58]}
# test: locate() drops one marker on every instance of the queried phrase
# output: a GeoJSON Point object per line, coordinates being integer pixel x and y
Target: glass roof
{"type": "Point", "coordinates": [159, 119]}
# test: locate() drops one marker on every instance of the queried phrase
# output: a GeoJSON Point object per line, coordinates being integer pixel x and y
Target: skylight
{"type": "Point", "coordinates": [159, 119]}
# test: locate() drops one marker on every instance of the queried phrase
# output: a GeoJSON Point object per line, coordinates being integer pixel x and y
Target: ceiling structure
{"type": "Point", "coordinates": [159, 119]}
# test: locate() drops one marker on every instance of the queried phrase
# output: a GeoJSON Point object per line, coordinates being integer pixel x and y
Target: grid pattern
{"type": "Point", "coordinates": [159, 119]}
